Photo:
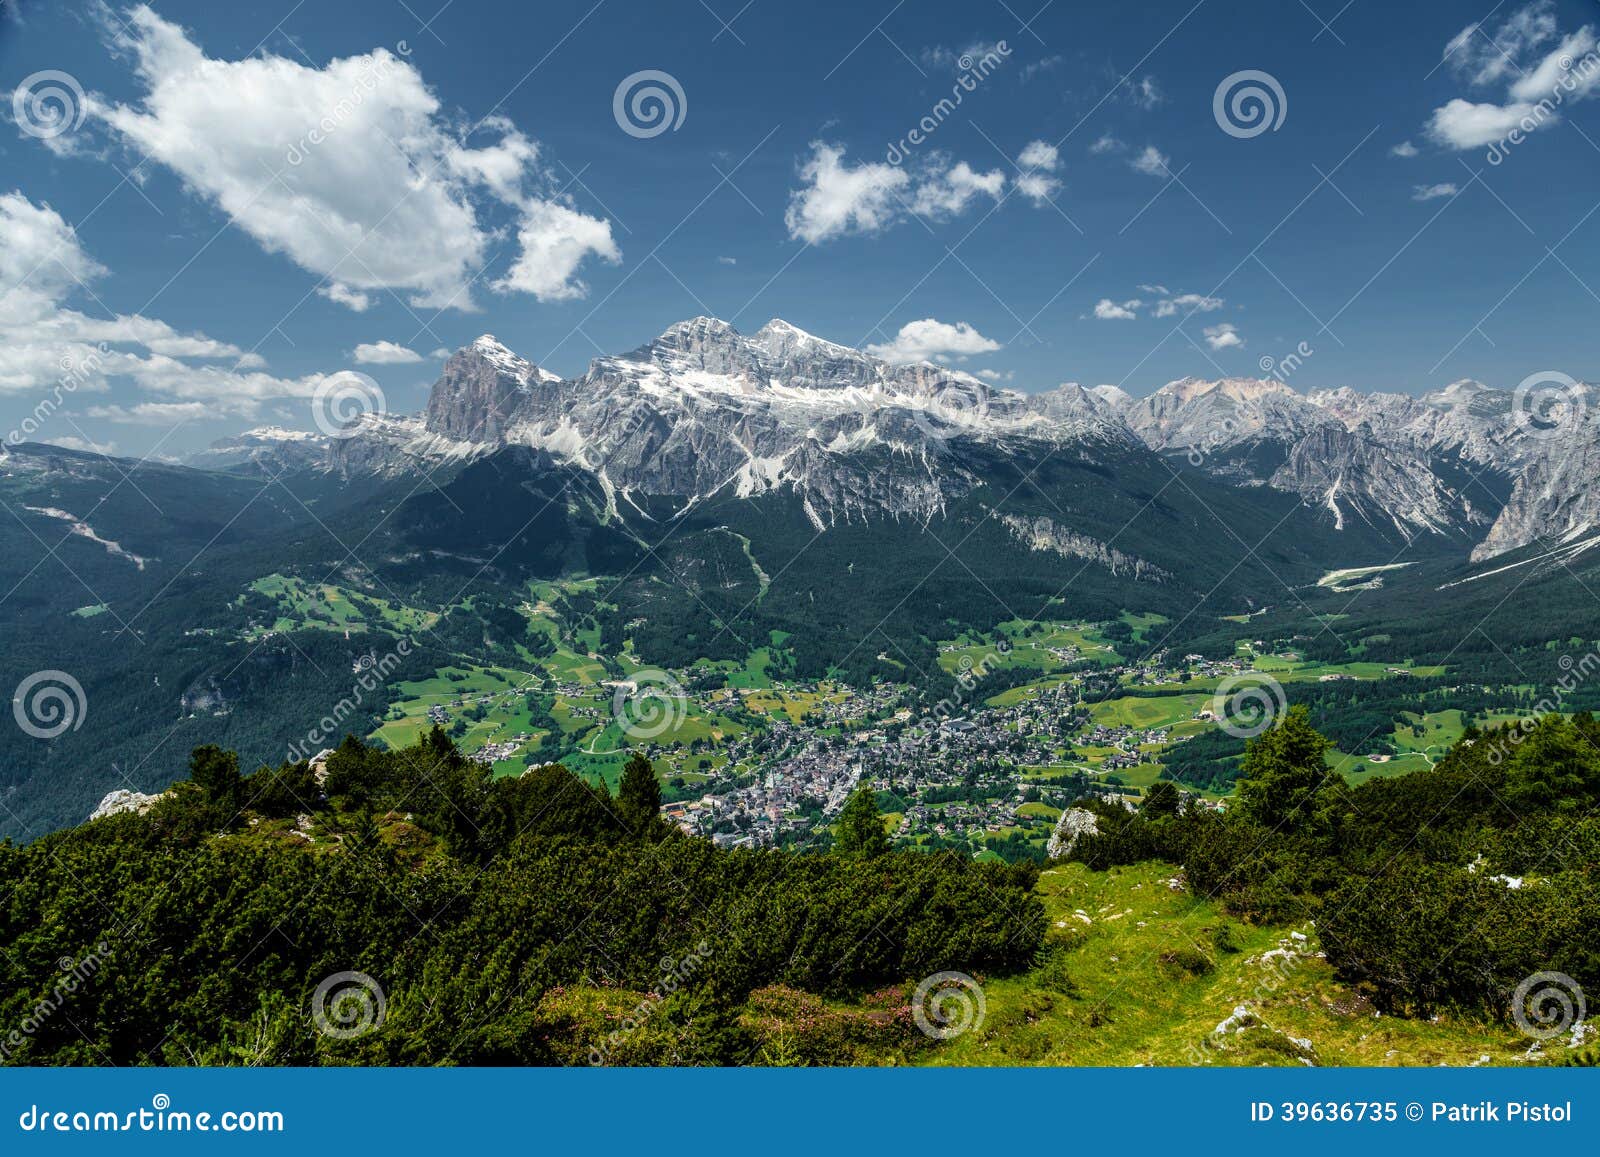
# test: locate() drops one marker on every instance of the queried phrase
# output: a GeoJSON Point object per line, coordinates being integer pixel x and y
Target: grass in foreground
{"type": "Point", "coordinates": [1137, 973]}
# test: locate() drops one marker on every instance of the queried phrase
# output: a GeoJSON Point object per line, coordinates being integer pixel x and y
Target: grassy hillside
{"type": "Point", "coordinates": [1133, 974]}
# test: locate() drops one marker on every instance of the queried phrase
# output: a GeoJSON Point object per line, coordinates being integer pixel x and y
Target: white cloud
{"type": "Point", "coordinates": [1483, 58]}
{"type": "Point", "coordinates": [727, 261]}
{"type": "Point", "coordinates": [351, 170]}
{"type": "Point", "coordinates": [1039, 155]}
{"type": "Point", "coordinates": [925, 340]}
{"type": "Point", "coordinates": [942, 56]}
{"type": "Point", "coordinates": [1038, 187]}
{"type": "Point", "coordinates": [1040, 66]}
{"type": "Point", "coordinates": [1107, 310]}
{"type": "Point", "coordinates": [71, 442]}
{"type": "Point", "coordinates": [160, 413]}
{"type": "Point", "coordinates": [839, 198]}
{"type": "Point", "coordinates": [440, 354]}
{"type": "Point", "coordinates": [555, 240]}
{"type": "Point", "coordinates": [1404, 149]}
{"type": "Point", "coordinates": [385, 353]}
{"type": "Point", "coordinates": [50, 351]}
{"type": "Point", "coordinates": [1168, 304]}
{"type": "Point", "coordinates": [1038, 160]}
{"type": "Point", "coordinates": [1223, 337]}
{"type": "Point", "coordinates": [1188, 303]}
{"type": "Point", "coordinates": [1461, 124]}
{"type": "Point", "coordinates": [343, 295]}
{"type": "Point", "coordinates": [1433, 192]}
{"type": "Point", "coordinates": [1145, 93]}
{"type": "Point", "coordinates": [949, 193]}
{"type": "Point", "coordinates": [996, 375]}
{"type": "Point", "coordinates": [1558, 71]}
{"type": "Point", "coordinates": [1152, 162]}
{"type": "Point", "coordinates": [1106, 143]}
{"type": "Point", "coordinates": [1535, 87]}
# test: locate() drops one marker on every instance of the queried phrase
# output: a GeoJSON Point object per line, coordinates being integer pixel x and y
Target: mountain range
{"type": "Point", "coordinates": [704, 411]}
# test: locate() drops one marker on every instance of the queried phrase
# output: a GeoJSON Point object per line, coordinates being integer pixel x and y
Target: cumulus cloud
{"type": "Point", "coordinates": [1223, 337]}
{"type": "Point", "coordinates": [1106, 143]}
{"type": "Point", "coordinates": [1404, 149]}
{"type": "Point", "coordinates": [1039, 155]}
{"type": "Point", "coordinates": [385, 353]}
{"type": "Point", "coordinates": [948, 194]}
{"type": "Point", "coordinates": [930, 340]}
{"type": "Point", "coordinates": [1038, 160]}
{"type": "Point", "coordinates": [1107, 310]}
{"type": "Point", "coordinates": [1188, 303]}
{"type": "Point", "coordinates": [1540, 76]}
{"type": "Point", "coordinates": [1433, 192]}
{"type": "Point", "coordinates": [1152, 162]}
{"type": "Point", "coordinates": [1463, 124]}
{"type": "Point", "coordinates": [838, 199]}
{"type": "Point", "coordinates": [555, 240]}
{"type": "Point", "coordinates": [1166, 304]}
{"type": "Point", "coordinates": [50, 350]}
{"type": "Point", "coordinates": [350, 170]}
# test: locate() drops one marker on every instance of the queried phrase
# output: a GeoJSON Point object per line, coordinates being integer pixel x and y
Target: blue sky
{"type": "Point", "coordinates": [1081, 215]}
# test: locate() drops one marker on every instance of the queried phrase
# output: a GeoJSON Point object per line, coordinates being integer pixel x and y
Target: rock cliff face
{"type": "Point", "coordinates": [1556, 500]}
{"type": "Point", "coordinates": [704, 410]}
{"type": "Point", "coordinates": [480, 389]}
{"type": "Point", "coordinates": [1039, 533]}
{"type": "Point", "coordinates": [1434, 465]}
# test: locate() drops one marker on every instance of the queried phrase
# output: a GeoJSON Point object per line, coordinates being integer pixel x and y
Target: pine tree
{"type": "Point", "coordinates": [859, 829]}
{"type": "Point", "coordinates": [1162, 799]}
{"type": "Point", "coordinates": [1284, 773]}
{"type": "Point", "coordinates": [639, 796]}
{"type": "Point", "coordinates": [217, 773]}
